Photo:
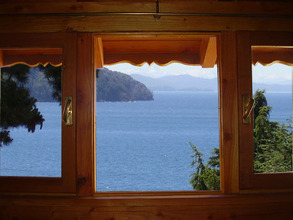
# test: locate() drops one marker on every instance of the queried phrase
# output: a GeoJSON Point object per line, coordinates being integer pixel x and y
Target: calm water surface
{"type": "Point", "coordinates": [141, 146]}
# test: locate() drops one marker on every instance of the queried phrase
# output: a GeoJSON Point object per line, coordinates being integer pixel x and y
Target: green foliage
{"type": "Point", "coordinates": [17, 106]}
{"type": "Point", "coordinates": [272, 140]}
{"type": "Point", "coordinates": [259, 101]}
{"type": "Point", "coordinates": [52, 80]}
{"type": "Point", "coordinates": [205, 177]}
{"type": "Point", "coordinates": [272, 149]}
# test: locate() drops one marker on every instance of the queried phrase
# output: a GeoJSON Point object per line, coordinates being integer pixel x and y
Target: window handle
{"type": "Point", "coordinates": [248, 104]}
{"type": "Point", "coordinates": [67, 111]}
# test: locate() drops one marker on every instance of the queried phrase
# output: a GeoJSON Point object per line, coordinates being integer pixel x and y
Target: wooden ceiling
{"type": "Point", "coordinates": [162, 50]}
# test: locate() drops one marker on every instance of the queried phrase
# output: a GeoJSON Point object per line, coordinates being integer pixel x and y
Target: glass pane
{"type": "Point", "coordinates": [157, 128]}
{"type": "Point", "coordinates": [30, 121]}
{"type": "Point", "coordinates": [272, 88]}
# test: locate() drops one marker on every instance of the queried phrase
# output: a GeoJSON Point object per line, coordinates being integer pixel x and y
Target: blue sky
{"type": "Point", "coordinates": [273, 74]}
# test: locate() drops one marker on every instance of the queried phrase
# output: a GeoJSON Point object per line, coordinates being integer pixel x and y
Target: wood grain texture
{"type": "Point", "coordinates": [261, 206]}
{"type": "Point", "coordinates": [208, 52]}
{"type": "Point", "coordinates": [248, 8]}
{"type": "Point", "coordinates": [226, 7]}
{"type": "Point", "coordinates": [229, 167]}
{"type": "Point", "coordinates": [245, 130]}
{"type": "Point", "coordinates": [86, 101]}
{"type": "Point", "coordinates": [63, 7]}
{"type": "Point", "coordinates": [139, 23]}
{"type": "Point", "coordinates": [98, 52]}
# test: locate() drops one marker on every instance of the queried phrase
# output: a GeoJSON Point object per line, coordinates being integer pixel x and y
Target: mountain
{"type": "Point", "coordinates": [115, 86]}
{"type": "Point", "coordinates": [177, 83]}
{"type": "Point", "coordinates": [110, 86]}
{"type": "Point", "coordinates": [272, 87]}
{"type": "Point", "coordinates": [191, 83]}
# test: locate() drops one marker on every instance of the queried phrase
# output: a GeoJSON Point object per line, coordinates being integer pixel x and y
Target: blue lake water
{"type": "Point", "coordinates": [141, 146]}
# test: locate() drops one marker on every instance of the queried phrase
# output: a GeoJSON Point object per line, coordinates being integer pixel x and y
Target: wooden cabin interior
{"type": "Point", "coordinates": [82, 35]}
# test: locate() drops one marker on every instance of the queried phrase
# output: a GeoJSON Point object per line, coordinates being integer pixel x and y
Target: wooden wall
{"type": "Point", "coordinates": [226, 18]}
{"type": "Point", "coordinates": [149, 208]}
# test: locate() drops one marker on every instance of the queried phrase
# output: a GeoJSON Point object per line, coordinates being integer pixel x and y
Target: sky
{"type": "Point", "coordinates": [273, 74]}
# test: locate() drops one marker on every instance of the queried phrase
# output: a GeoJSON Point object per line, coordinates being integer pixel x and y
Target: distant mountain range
{"type": "Point", "coordinates": [191, 83]}
{"type": "Point", "coordinates": [111, 86]}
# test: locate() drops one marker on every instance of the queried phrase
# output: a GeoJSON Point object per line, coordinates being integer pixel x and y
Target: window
{"type": "Point", "coordinates": [272, 118]}
{"type": "Point", "coordinates": [40, 160]}
{"type": "Point", "coordinates": [148, 145]}
{"type": "Point", "coordinates": [78, 150]}
{"type": "Point", "coordinates": [266, 135]}
{"type": "Point", "coordinates": [30, 121]}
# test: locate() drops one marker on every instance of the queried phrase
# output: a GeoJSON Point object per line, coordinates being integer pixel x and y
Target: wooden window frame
{"type": "Point", "coordinates": [228, 138]}
{"type": "Point", "coordinates": [66, 183]}
{"type": "Point", "coordinates": [80, 60]}
{"type": "Point", "coordinates": [248, 179]}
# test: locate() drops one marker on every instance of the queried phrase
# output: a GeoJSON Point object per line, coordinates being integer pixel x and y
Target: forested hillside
{"type": "Point", "coordinates": [110, 86]}
{"type": "Point", "coordinates": [115, 86]}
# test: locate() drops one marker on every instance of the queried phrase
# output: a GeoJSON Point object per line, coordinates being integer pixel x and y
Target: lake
{"type": "Point", "coordinates": [141, 146]}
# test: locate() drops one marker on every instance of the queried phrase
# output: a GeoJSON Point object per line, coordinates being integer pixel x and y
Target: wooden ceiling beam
{"type": "Point", "coordinates": [98, 53]}
{"type": "Point", "coordinates": [140, 23]}
{"type": "Point", "coordinates": [208, 52]}
{"type": "Point", "coordinates": [54, 7]}
{"type": "Point", "coordinates": [249, 8]}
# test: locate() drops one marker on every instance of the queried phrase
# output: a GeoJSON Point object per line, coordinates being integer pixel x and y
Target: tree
{"type": "Point", "coordinates": [18, 108]}
{"type": "Point", "coordinates": [205, 177]}
{"type": "Point", "coordinates": [272, 140]}
{"type": "Point", "coordinates": [272, 148]}
{"type": "Point", "coordinates": [259, 101]}
{"type": "Point", "coordinates": [54, 76]}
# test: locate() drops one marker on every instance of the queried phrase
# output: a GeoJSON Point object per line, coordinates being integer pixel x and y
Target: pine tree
{"type": "Point", "coordinates": [18, 108]}
{"type": "Point", "coordinates": [206, 177]}
{"type": "Point", "coordinates": [272, 149]}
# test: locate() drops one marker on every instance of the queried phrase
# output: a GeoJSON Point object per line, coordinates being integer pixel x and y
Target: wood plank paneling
{"type": "Point", "coordinates": [274, 8]}
{"type": "Point", "coordinates": [140, 23]}
{"type": "Point", "coordinates": [276, 206]}
{"type": "Point", "coordinates": [226, 7]}
{"type": "Point", "coordinates": [62, 7]}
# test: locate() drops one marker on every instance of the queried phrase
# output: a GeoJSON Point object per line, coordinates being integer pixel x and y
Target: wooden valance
{"type": "Point", "coordinates": [267, 55]}
{"type": "Point", "coordinates": [31, 57]}
{"type": "Point", "coordinates": [162, 50]}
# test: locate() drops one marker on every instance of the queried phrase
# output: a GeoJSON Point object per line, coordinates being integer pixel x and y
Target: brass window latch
{"type": "Point", "coordinates": [67, 111]}
{"type": "Point", "coordinates": [248, 104]}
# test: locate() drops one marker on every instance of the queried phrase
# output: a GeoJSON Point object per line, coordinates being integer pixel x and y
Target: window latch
{"type": "Point", "coordinates": [67, 111]}
{"type": "Point", "coordinates": [248, 104]}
